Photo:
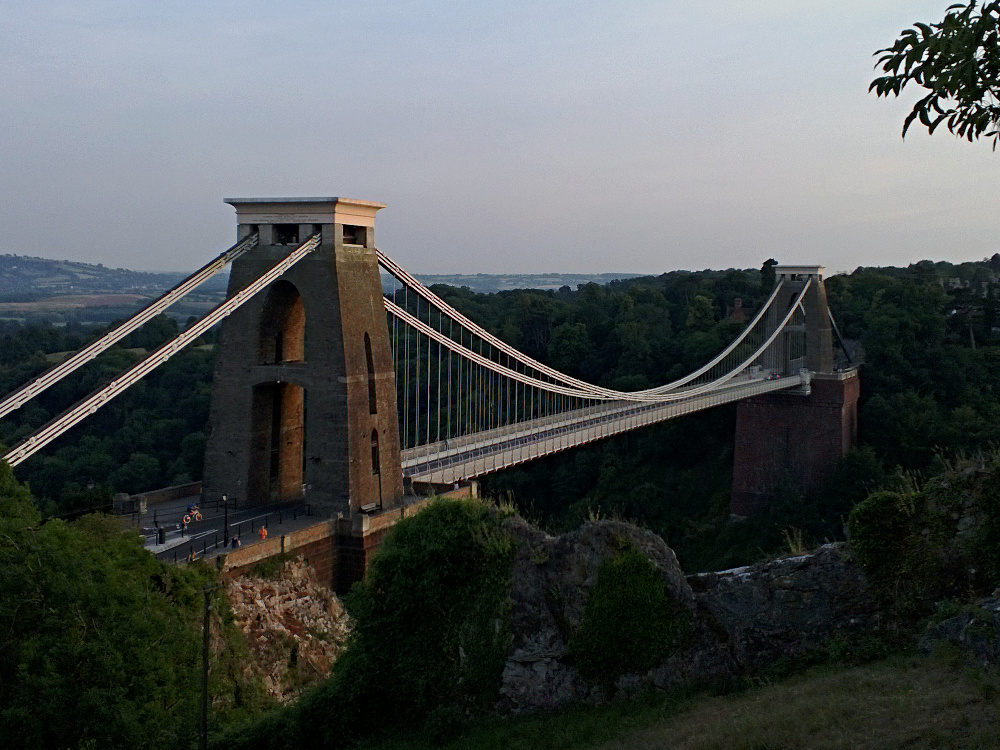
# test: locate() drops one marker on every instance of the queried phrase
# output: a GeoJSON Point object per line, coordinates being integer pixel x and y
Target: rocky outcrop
{"type": "Point", "coordinates": [742, 619]}
{"type": "Point", "coordinates": [976, 631]}
{"type": "Point", "coordinates": [295, 627]}
{"type": "Point", "coordinates": [784, 607]}
{"type": "Point", "coordinates": [551, 578]}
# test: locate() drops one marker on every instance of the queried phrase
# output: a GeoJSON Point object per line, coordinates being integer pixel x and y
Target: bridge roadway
{"type": "Point", "coordinates": [206, 537]}
{"type": "Point", "coordinates": [453, 460]}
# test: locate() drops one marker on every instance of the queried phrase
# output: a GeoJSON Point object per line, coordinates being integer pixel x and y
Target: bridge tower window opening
{"type": "Point", "coordinates": [370, 362]}
{"type": "Point", "coordinates": [355, 235]}
{"type": "Point", "coordinates": [275, 462]}
{"type": "Point", "coordinates": [285, 234]}
{"type": "Point", "coordinates": [375, 459]}
{"type": "Point", "coordinates": [282, 327]}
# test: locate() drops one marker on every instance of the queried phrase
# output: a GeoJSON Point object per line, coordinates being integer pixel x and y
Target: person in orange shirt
{"type": "Point", "coordinates": [262, 533]}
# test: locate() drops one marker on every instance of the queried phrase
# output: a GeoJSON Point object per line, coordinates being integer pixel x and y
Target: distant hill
{"type": "Point", "coordinates": [40, 290]}
{"type": "Point", "coordinates": [498, 282]}
{"type": "Point", "coordinates": [25, 279]}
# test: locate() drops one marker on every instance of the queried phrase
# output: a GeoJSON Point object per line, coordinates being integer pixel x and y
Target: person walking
{"type": "Point", "coordinates": [262, 533]}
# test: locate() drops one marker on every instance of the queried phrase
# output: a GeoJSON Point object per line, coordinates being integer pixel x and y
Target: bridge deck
{"type": "Point", "coordinates": [470, 456]}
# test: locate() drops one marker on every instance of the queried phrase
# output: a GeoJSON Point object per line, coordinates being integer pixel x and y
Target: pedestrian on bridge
{"type": "Point", "coordinates": [262, 533]}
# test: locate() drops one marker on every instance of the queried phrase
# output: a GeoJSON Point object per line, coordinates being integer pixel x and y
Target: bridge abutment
{"type": "Point", "coordinates": [785, 435]}
{"type": "Point", "coordinates": [793, 436]}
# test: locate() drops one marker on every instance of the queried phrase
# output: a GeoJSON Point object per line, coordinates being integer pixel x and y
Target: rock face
{"type": "Point", "coordinates": [784, 607]}
{"type": "Point", "coordinates": [550, 582]}
{"type": "Point", "coordinates": [742, 619]}
{"type": "Point", "coordinates": [295, 627]}
{"type": "Point", "coordinates": [975, 631]}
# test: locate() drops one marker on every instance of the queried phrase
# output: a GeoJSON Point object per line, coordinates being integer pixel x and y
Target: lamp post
{"type": "Point", "coordinates": [225, 523]}
{"type": "Point", "coordinates": [203, 744]}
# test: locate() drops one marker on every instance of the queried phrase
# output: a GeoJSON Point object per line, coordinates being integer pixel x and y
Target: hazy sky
{"type": "Point", "coordinates": [517, 136]}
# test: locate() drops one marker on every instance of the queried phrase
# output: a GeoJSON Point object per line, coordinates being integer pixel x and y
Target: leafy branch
{"type": "Point", "coordinates": [958, 62]}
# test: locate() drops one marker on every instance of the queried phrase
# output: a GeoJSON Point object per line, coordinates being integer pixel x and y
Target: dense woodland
{"type": "Point", "coordinates": [100, 640]}
{"type": "Point", "coordinates": [929, 336]}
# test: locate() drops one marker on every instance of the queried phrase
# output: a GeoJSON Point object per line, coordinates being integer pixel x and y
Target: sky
{"type": "Point", "coordinates": [577, 137]}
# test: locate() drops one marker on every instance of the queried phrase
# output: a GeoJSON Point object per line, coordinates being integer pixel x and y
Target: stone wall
{"type": "Point", "coordinates": [154, 497]}
{"type": "Point", "coordinates": [339, 549]}
{"type": "Point", "coordinates": [742, 620]}
{"type": "Point", "coordinates": [316, 545]}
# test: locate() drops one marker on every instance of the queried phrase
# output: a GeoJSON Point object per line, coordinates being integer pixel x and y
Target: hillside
{"type": "Point", "coordinates": [24, 279]}
{"type": "Point", "coordinates": [499, 282]}
{"type": "Point", "coordinates": [41, 290]}
{"type": "Point", "coordinates": [913, 702]}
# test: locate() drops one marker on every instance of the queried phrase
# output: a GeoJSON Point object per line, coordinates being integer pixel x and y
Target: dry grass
{"type": "Point", "coordinates": [923, 704]}
{"type": "Point", "coordinates": [912, 703]}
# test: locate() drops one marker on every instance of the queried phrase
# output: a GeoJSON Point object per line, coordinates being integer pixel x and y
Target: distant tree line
{"type": "Point", "coordinates": [928, 333]}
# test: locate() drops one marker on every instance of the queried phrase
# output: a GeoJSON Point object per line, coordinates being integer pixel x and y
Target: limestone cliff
{"type": "Point", "coordinates": [295, 627]}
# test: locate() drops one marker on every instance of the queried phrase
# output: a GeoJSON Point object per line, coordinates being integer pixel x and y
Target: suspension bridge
{"type": "Point", "coordinates": [340, 375]}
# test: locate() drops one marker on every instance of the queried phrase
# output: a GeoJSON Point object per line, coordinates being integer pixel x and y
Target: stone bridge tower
{"type": "Point", "coordinates": [304, 394]}
{"type": "Point", "coordinates": [796, 436]}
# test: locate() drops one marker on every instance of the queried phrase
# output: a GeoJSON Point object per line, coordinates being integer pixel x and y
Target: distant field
{"type": "Point", "coordinates": [498, 282]}
{"type": "Point", "coordinates": [70, 302]}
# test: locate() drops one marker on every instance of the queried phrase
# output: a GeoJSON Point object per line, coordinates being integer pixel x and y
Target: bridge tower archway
{"type": "Point", "coordinates": [316, 339]}
{"type": "Point", "coordinates": [282, 325]}
{"type": "Point", "coordinates": [277, 443]}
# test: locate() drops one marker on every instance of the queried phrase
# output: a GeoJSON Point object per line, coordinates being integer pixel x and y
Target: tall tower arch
{"type": "Point", "coordinates": [304, 376]}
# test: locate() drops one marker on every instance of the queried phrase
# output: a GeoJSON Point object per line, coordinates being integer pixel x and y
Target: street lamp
{"type": "Point", "coordinates": [225, 523]}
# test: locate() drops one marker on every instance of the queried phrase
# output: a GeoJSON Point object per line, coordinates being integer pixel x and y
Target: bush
{"type": "Point", "coordinates": [94, 651]}
{"type": "Point", "coordinates": [629, 622]}
{"type": "Point", "coordinates": [100, 643]}
{"type": "Point", "coordinates": [429, 641]}
{"type": "Point", "coordinates": [920, 547]}
{"type": "Point", "coordinates": [879, 527]}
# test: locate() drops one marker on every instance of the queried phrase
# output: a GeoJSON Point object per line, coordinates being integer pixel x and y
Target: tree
{"type": "Point", "coordinates": [958, 62]}
{"type": "Point", "coordinates": [99, 641]}
{"type": "Point", "coordinates": [768, 276]}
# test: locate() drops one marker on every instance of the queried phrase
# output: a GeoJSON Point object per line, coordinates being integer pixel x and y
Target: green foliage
{"type": "Point", "coordinates": [880, 529]}
{"type": "Point", "coordinates": [429, 641]}
{"type": "Point", "coordinates": [151, 436]}
{"type": "Point", "coordinates": [958, 62]}
{"type": "Point", "coordinates": [629, 624]}
{"type": "Point", "coordinates": [921, 546]}
{"type": "Point", "coordinates": [99, 642]}
{"type": "Point", "coordinates": [92, 651]}
{"type": "Point", "coordinates": [271, 567]}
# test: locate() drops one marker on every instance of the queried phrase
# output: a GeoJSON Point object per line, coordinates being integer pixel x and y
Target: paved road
{"type": "Point", "coordinates": [206, 537]}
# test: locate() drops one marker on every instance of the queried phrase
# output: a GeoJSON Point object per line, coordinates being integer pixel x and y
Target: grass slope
{"type": "Point", "coordinates": [911, 702]}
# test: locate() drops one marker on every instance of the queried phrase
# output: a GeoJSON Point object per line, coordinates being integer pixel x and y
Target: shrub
{"type": "Point", "coordinates": [629, 622]}
{"type": "Point", "coordinates": [941, 542]}
{"type": "Point", "coordinates": [429, 640]}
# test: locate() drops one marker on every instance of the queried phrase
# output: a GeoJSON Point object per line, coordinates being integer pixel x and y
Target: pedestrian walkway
{"type": "Point", "coordinates": [213, 534]}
